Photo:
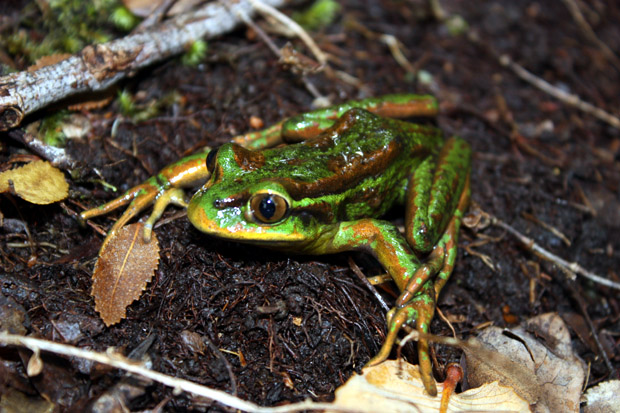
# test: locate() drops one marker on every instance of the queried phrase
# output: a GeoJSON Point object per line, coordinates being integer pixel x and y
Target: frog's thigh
{"type": "Point", "coordinates": [433, 194]}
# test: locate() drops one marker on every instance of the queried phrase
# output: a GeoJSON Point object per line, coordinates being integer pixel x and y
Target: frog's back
{"type": "Point", "coordinates": [357, 168]}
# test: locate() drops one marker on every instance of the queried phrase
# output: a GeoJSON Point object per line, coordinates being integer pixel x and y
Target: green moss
{"type": "Point", "coordinates": [60, 26]}
{"type": "Point", "coordinates": [195, 54]}
{"type": "Point", "coordinates": [124, 19]}
{"type": "Point", "coordinates": [321, 14]}
{"type": "Point", "coordinates": [50, 129]}
{"type": "Point", "coordinates": [139, 112]}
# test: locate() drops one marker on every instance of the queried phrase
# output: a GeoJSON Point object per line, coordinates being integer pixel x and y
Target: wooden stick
{"type": "Point", "coordinates": [97, 67]}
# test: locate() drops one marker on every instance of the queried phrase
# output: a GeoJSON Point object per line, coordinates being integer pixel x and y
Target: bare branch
{"type": "Point", "coordinates": [118, 361]}
{"type": "Point", "coordinates": [97, 67]}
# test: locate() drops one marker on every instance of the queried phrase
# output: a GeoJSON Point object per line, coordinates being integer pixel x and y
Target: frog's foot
{"type": "Point", "coordinates": [420, 309]}
{"type": "Point", "coordinates": [139, 198]}
{"type": "Point", "coordinates": [175, 196]}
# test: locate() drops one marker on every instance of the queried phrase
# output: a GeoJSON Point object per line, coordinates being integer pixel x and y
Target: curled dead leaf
{"type": "Point", "coordinates": [37, 182]}
{"type": "Point", "coordinates": [125, 265]}
{"type": "Point", "coordinates": [395, 386]}
{"type": "Point", "coordinates": [543, 368]}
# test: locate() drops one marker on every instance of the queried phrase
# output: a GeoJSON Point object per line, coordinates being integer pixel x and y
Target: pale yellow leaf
{"type": "Point", "coordinates": [395, 386]}
{"type": "Point", "coordinates": [125, 266]}
{"type": "Point", "coordinates": [37, 182]}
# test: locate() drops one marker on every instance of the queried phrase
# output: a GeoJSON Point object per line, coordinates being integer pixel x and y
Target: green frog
{"type": "Point", "coordinates": [324, 192]}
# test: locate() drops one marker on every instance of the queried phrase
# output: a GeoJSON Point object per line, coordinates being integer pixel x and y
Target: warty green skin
{"type": "Point", "coordinates": [342, 175]}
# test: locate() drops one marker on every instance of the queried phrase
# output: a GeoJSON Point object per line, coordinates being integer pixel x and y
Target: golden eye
{"type": "Point", "coordinates": [268, 208]}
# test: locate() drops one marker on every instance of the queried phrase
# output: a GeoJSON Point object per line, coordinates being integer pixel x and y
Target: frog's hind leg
{"type": "Point", "coordinates": [419, 301]}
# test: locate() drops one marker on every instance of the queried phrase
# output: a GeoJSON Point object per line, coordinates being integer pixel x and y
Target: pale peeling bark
{"type": "Point", "coordinates": [97, 67]}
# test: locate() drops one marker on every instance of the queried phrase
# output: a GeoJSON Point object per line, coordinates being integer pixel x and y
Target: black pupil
{"type": "Point", "coordinates": [211, 159]}
{"type": "Point", "coordinates": [267, 207]}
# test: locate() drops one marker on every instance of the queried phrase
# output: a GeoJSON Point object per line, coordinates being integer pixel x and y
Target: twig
{"type": "Point", "coordinates": [356, 270]}
{"type": "Point", "coordinates": [263, 7]}
{"type": "Point", "coordinates": [155, 16]}
{"type": "Point", "coordinates": [118, 361]}
{"type": "Point", "coordinates": [97, 67]}
{"type": "Point", "coordinates": [571, 268]}
{"type": "Point", "coordinates": [395, 47]}
{"type": "Point", "coordinates": [506, 61]}
{"type": "Point", "coordinates": [585, 27]}
{"type": "Point", "coordinates": [568, 98]}
{"type": "Point", "coordinates": [267, 40]}
{"type": "Point", "coordinates": [548, 227]}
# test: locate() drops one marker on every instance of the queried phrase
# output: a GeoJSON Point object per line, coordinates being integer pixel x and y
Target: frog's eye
{"type": "Point", "coordinates": [211, 159]}
{"type": "Point", "coordinates": [268, 208]}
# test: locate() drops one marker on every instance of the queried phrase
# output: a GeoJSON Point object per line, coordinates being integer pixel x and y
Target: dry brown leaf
{"type": "Point", "coordinates": [125, 265]}
{"type": "Point", "coordinates": [48, 61]}
{"type": "Point", "coordinates": [91, 104]}
{"type": "Point", "coordinates": [542, 369]}
{"type": "Point", "coordinates": [395, 386]}
{"type": "Point", "coordinates": [37, 182]}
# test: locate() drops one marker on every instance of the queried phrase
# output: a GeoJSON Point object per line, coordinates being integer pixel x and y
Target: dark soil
{"type": "Point", "coordinates": [291, 327]}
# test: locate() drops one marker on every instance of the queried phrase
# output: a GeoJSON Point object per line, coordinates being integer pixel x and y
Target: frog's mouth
{"type": "Point", "coordinates": [229, 224]}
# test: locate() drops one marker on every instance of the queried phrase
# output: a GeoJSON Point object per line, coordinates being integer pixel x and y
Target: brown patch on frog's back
{"type": "Point", "coordinates": [336, 163]}
{"type": "Point", "coordinates": [344, 175]}
{"type": "Point", "coordinates": [248, 160]}
{"type": "Point", "coordinates": [325, 140]}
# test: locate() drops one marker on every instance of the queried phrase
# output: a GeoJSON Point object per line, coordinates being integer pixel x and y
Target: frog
{"type": "Point", "coordinates": [319, 183]}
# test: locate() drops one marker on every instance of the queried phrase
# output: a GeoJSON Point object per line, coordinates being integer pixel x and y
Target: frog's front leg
{"type": "Point", "coordinates": [383, 240]}
{"type": "Point", "coordinates": [161, 190]}
{"type": "Point", "coordinates": [438, 196]}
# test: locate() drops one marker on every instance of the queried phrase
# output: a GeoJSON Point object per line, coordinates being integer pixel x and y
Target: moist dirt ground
{"type": "Point", "coordinates": [275, 328]}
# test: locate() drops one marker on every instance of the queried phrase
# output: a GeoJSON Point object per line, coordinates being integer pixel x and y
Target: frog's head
{"type": "Point", "coordinates": [246, 200]}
